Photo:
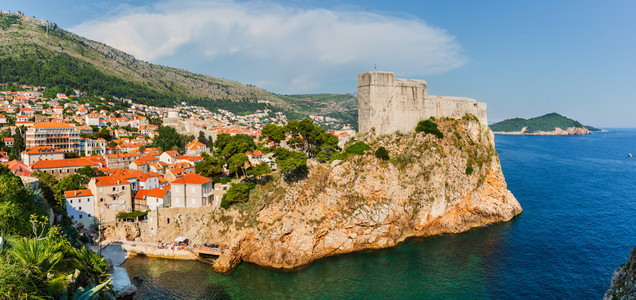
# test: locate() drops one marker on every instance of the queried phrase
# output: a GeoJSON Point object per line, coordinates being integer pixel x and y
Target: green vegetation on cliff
{"type": "Point", "coordinates": [548, 122]}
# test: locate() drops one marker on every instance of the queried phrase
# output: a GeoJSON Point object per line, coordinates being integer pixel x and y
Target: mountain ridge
{"type": "Point", "coordinates": [25, 41]}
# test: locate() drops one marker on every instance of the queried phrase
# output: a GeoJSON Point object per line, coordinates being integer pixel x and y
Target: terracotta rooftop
{"type": "Point", "coordinates": [63, 163]}
{"type": "Point", "coordinates": [42, 149]}
{"type": "Point", "coordinates": [159, 192]}
{"type": "Point", "coordinates": [49, 125]}
{"type": "Point", "coordinates": [192, 178]}
{"type": "Point", "coordinates": [109, 180]}
{"type": "Point", "coordinates": [18, 168]}
{"type": "Point", "coordinates": [78, 193]}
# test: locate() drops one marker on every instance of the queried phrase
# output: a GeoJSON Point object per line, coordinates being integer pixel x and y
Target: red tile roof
{"type": "Point", "coordinates": [42, 149]}
{"type": "Point", "coordinates": [78, 193]}
{"type": "Point", "coordinates": [141, 194]}
{"type": "Point", "coordinates": [48, 125]}
{"type": "Point", "coordinates": [18, 168]}
{"type": "Point", "coordinates": [159, 193]}
{"type": "Point", "coordinates": [63, 163]}
{"type": "Point", "coordinates": [109, 180]}
{"type": "Point", "coordinates": [192, 178]}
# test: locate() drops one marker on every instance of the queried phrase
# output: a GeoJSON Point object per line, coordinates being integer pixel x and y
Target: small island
{"type": "Point", "coordinates": [549, 124]}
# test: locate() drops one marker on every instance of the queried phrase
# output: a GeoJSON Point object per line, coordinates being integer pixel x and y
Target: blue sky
{"type": "Point", "coordinates": [522, 58]}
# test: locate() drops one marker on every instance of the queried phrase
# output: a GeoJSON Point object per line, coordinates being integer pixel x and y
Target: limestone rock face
{"type": "Point", "coordinates": [624, 280]}
{"type": "Point", "coordinates": [429, 186]}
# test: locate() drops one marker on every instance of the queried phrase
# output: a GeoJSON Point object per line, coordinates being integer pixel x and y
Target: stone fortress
{"type": "Point", "coordinates": [388, 104]}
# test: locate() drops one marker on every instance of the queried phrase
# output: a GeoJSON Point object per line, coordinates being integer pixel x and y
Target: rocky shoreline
{"type": "Point", "coordinates": [623, 285]}
{"type": "Point", "coordinates": [557, 131]}
{"type": "Point", "coordinates": [429, 186]}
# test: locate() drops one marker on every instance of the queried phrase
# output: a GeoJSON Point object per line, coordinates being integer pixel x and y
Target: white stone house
{"type": "Point", "coordinates": [34, 154]}
{"type": "Point", "coordinates": [195, 149]}
{"type": "Point", "coordinates": [169, 157]}
{"type": "Point", "coordinates": [80, 206]}
{"type": "Point", "coordinates": [192, 190]}
{"type": "Point", "coordinates": [149, 181]}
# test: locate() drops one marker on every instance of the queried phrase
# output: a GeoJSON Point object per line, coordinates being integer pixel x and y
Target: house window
{"type": "Point", "coordinates": [89, 215]}
{"type": "Point", "coordinates": [80, 208]}
{"type": "Point", "coordinates": [80, 216]}
{"type": "Point", "coordinates": [71, 201]}
{"type": "Point", "coordinates": [114, 188]}
{"type": "Point", "coordinates": [72, 217]}
{"type": "Point", "coordinates": [168, 221]}
{"type": "Point", "coordinates": [79, 200]}
{"type": "Point", "coordinates": [101, 199]}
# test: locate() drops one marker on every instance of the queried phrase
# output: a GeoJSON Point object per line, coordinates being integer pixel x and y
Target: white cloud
{"type": "Point", "coordinates": [289, 49]}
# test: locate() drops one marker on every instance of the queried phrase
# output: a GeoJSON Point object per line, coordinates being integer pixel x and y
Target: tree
{"type": "Point", "coordinates": [19, 143]}
{"type": "Point", "coordinates": [289, 161]}
{"type": "Point", "coordinates": [155, 121]}
{"type": "Point", "coordinates": [71, 155]}
{"type": "Point", "coordinates": [259, 170]}
{"type": "Point", "coordinates": [17, 204]}
{"type": "Point", "coordinates": [89, 172]}
{"type": "Point", "coordinates": [104, 133]}
{"type": "Point", "coordinates": [209, 166]}
{"type": "Point", "coordinates": [310, 138]}
{"type": "Point", "coordinates": [238, 192]}
{"type": "Point", "coordinates": [202, 138]}
{"type": "Point", "coordinates": [227, 146]}
{"type": "Point", "coordinates": [210, 143]}
{"type": "Point", "coordinates": [168, 139]}
{"type": "Point", "coordinates": [237, 162]}
{"type": "Point", "coordinates": [273, 133]}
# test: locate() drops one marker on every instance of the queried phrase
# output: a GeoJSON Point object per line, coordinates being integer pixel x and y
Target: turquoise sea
{"type": "Point", "coordinates": [579, 224]}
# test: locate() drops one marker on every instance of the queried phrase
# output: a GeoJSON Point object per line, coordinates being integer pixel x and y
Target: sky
{"type": "Point", "coordinates": [523, 58]}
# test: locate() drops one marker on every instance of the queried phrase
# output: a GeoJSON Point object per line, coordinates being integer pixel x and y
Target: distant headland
{"type": "Point", "coordinates": [549, 124]}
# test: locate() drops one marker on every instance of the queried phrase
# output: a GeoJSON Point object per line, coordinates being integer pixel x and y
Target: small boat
{"type": "Point", "coordinates": [629, 155]}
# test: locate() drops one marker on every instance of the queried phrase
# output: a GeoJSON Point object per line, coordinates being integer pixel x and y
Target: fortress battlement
{"type": "Point", "coordinates": [389, 104]}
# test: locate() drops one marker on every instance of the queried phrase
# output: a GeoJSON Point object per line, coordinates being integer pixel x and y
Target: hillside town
{"type": "Point", "coordinates": [118, 144]}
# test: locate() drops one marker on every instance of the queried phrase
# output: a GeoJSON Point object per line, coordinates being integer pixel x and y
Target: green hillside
{"type": "Point", "coordinates": [30, 55]}
{"type": "Point", "coordinates": [547, 122]}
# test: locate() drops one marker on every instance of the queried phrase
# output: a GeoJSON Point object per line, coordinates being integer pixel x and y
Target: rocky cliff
{"type": "Point", "coordinates": [429, 186]}
{"type": "Point", "coordinates": [624, 280]}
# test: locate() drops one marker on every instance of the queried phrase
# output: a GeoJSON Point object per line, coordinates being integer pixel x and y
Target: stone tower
{"type": "Point", "coordinates": [389, 104]}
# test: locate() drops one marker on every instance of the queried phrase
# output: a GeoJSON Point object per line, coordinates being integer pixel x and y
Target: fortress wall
{"type": "Point", "coordinates": [457, 107]}
{"type": "Point", "coordinates": [186, 126]}
{"type": "Point", "coordinates": [388, 104]}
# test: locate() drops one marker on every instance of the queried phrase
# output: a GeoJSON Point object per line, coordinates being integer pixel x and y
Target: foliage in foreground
{"type": "Point", "coordinates": [39, 261]}
{"type": "Point", "coordinates": [48, 267]}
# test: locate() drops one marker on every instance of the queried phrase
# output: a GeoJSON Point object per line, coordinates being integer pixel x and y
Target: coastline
{"type": "Point", "coordinates": [557, 131]}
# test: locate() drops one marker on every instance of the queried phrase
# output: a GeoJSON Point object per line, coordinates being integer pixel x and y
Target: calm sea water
{"type": "Point", "coordinates": [578, 225]}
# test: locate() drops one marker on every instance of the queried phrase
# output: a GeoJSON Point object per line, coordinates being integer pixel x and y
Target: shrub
{"type": "Point", "coordinates": [357, 148]}
{"type": "Point", "coordinates": [469, 168]}
{"type": "Point", "coordinates": [382, 153]}
{"type": "Point", "coordinates": [429, 126]}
